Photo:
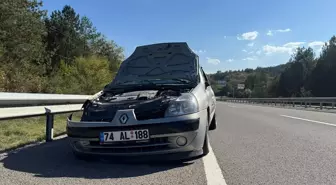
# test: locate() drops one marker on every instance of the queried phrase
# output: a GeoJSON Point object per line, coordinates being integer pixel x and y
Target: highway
{"type": "Point", "coordinates": [251, 145]}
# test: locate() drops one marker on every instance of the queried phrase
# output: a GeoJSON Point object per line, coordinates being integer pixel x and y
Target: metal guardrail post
{"type": "Point", "coordinates": [332, 105]}
{"type": "Point", "coordinates": [49, 126]}
{"type": "Point", "coordinates": [305, 104]}
{"type": "Point", "coordinates": [321, 105]}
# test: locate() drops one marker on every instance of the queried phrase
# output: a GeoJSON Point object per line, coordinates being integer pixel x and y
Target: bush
{"type": "Point", "coordinates": [85, 76]}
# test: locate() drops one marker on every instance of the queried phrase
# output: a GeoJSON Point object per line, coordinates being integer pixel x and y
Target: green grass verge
{"type": "Point", "coordinates": [18, 132]}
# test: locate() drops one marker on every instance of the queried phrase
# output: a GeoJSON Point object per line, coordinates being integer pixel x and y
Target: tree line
{"type": "Point", "coordinates": [304, 75]}
{"type": "Point", "coordinates": [59, 53]}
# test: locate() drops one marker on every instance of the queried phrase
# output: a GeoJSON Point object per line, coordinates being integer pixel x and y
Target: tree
{"type": "Point", "coordinates": [295, 76]}
{"type": "Point", "coordinates": [21, 31]}
{"type": "Point", "coordinates": [88, 34]}
{"type": "Point", "coordinates": [71, 36]}
{"type": "Point", "coordinates": [250, 80]}
{"type": "Point", "coordinates": [22, 49]}
{"type": "Point", "coordinates": [85, 76]}
{"type": "Point", "coordinates": [63, 39]}
{"type": "Point", "coordinates": [109, 49]}
{"type": "Point", "coordinates": [323, 77]}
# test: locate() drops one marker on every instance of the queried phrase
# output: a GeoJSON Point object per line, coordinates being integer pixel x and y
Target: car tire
{"type": "Point", "coordinates": [213, 124]}
{"type": "Point", "coordinates": [206, 145]}
{"type": "Point", "coordinates": [205, 149]}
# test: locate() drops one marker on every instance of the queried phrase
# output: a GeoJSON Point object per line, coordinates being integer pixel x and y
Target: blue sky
{"type": "Point", "coordinates": [226, 34]}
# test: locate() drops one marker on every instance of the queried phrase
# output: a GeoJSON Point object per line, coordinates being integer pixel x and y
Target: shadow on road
{"type": "Point", "coordinates": [56, 160]}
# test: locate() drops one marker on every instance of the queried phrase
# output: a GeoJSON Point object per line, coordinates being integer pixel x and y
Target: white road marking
{"type": "Point", "coordinates": [320, 122]}
{"type": "Point", "coordinates": [212, 170]}
{"type": "Point", "coordinates": [232, 106]}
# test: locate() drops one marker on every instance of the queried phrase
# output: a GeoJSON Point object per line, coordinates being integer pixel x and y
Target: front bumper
{"type": "Point", "coordinates": [84, 137]}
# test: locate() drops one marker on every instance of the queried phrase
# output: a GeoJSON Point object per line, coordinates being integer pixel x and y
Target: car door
{"type": "Point", "coordinates": [209, 93]}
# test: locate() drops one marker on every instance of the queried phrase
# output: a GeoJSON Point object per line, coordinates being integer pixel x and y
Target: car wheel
{"type": "Point", "coordinates": [206, 145]}
{"type": "Point", "coordinates": [213, 124]}
{"type": "Point", "coordinates": [206, 140]}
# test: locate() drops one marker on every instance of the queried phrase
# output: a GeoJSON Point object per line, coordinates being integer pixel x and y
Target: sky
{"type": "Point", "coordinates": [226, 34]}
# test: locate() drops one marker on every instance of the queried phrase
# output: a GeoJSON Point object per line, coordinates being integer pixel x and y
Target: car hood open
{"type": "Point", "coordinates": [173, 60]}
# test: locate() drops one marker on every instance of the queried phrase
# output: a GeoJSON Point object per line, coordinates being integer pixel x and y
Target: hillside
{"type": "Point", "coordinates": [305, 74]}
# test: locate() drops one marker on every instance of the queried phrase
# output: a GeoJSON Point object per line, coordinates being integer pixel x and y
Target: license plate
{"type": "Point", "coordinates": [129, 135]}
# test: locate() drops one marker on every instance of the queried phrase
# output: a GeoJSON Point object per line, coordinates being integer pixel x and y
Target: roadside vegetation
{"type": "Point", "coordinates": [18, 132]}
{"type": "Point", "coordinates": [55, 52]}
{"type": "Point", "coordinates": [304, 75]}
{"type": "Point", "coordinates": [49, 52]}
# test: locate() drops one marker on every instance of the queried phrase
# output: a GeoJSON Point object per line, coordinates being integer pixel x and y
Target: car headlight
{"type": "Point", "coordinates": [185, 104]}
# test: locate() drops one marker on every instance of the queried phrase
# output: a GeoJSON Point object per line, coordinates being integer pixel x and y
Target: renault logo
{"type": "Point", "coordinates": [123, 118]}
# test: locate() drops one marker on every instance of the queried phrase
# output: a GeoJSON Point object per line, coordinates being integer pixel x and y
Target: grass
{"type": "Point", "coordinates": [18, 132]}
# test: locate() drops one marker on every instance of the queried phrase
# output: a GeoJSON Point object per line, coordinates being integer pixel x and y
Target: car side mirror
{"type": "Point", "coordinates": [206, 84]}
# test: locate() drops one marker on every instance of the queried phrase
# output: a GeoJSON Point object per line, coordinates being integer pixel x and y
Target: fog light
{"type": "Point", "coordinates": [181, 141]}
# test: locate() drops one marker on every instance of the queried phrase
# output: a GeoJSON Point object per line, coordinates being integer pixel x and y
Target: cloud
{"type": "Point", "coordinates": [244, 50]}
{"type": "Point", "coordinates": [293, 44]}
{"type": "Point", "coordinates": [251, 52]}
{"type": "Point", "coordinates": [285, 30]}
{"type": "Point", "coordinates": [198, 51]}
{"type": "Point", "coordinates": [268, 49]}
{"type": "Point", "coordinates": [286, 48]}
{"type": "Point", "coordinates": [213, 61]}
{"type": "Point", "coordinates": [316, 44]}
{"type": "Point", "coordinates": [229, 60]}
{"type": "Point", "coordinates": [258, 52]}
{"type": "Point", "coordinates": [272, 32]}
{"type": "Point", "coordinates": [250, 58]}
{"type": "Point", "coordinates": [224, 37]}
{"type": "Point", "coordinates": [248, 36]}
{"type": "Point", "coordinates": [250, 44]}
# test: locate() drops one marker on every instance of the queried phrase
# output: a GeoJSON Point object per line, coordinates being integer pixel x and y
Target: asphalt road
{"type": "Point", "coordinates": [252, 145]}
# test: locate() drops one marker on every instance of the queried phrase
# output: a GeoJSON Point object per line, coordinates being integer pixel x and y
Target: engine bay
{"type": "Point", "coordinates": [147, 104]}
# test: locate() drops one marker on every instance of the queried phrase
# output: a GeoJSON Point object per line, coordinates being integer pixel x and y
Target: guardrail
{"type": "Point", "coordinates": [321, 102]}
{"type": "Point", "coordinates": [21, 105]}
{"type": "Point", "coordinates": [35, 99]}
